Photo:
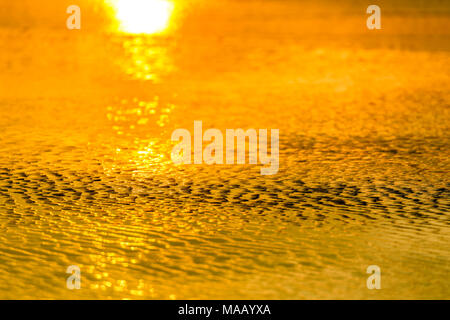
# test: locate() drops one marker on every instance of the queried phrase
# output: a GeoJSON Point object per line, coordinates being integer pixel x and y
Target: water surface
{"type": "Point", "coordinates": [86, 177]}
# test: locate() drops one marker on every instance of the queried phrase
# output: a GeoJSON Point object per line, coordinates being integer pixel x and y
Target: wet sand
{"type": "Point", "coordinates": [86, 177]}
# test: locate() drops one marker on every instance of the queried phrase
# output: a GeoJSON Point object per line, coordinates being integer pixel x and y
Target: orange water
{"type": "Point", "coordinates": [86, 177]}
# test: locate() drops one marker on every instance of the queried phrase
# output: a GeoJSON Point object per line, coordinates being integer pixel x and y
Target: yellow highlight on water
{"type": "Point", "coordinates": [142, 16]}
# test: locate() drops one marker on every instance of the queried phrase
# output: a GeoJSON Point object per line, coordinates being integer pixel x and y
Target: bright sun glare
{"type": "Point", "coordinates": [142, 16]}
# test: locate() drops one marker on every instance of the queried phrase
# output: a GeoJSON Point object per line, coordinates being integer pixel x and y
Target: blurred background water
{"type": "Point", "coordinates": [86, 177]}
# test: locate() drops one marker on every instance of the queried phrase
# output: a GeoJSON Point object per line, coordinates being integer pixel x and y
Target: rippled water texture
{"type": "Point", "coordinates": [86, 178]}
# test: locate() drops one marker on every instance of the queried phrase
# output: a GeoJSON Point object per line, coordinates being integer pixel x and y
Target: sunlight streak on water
{"type": "Point", "coordinates": [145, 59]}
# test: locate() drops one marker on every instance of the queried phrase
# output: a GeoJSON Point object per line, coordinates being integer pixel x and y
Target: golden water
{"type": "Point", "coordinates": [86, 177]}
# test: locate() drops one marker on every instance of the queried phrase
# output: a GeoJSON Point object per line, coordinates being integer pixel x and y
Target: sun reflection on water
{"type": "Point", "coordinates": [142, 16]}
{"type": "Point", "coordinates": [139, 127]}
{"type": "Point", "coordinates": [141, 31]}
{"type": "Point", "coordinates": [146, 59]}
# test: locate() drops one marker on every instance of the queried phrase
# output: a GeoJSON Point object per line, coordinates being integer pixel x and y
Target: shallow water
{"type": "Point", "coordinates": [86, 177]}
